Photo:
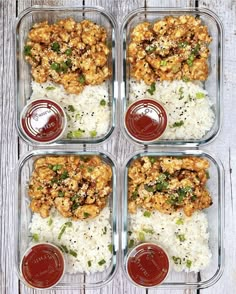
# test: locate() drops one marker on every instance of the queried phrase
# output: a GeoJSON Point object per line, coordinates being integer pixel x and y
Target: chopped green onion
{"type": "Point", "coordinates": [75, 206]}
{"type": "Point", "coordinates": [75, 134]}
{"type": "Point", "coordinates": [195, 51]}
{"type": "Point", "coordinates": [178, 124]}
{"type": "Point", "coordinates": [207, 174]}
{"type": "Point", "coordinates": [129, 233]}
{"type": "Point", "coordinates": [69, 62]}
{"type": "Point", "coordinates": [81, 79]}
{"type": "Point", "coordinates": [27, 50]}
{"type": "Point", "coordinates": [101, 262]}
{"type": "Point", "coordinates": [147, 213]}
{"type": "Point", "coordinates": [163, 63]}
{"type": "Point", "coordinates": [90, 169]}
{"type": "Point", "coordinates": [152, 89]}
{"type": "Point", "coordinates": [179, 221]}
{"type": "Point", "coordinates": [75, 197]}
{"type": "Point", "coordinates": [141, 236]}
{"type": "Point", "coordinates": [148, 231]}
{"type": "Point", "coordinates": [54, 181]}
{"type": "Point", "coordinates": [56, 66]}
{"type": "Point", "coordinates": [89, 263]}
{"type": "Point", "coordinates": [103, 102]}
{"type": "Point", "coordinates": [104, 230]}
{"type": "Point", "coordinates": [71, 108]}
{"type": "Point", "coordinates": [77, 116]}
{"type": "Point", "coordinates": [50, 166]}
{"type": "Point", "coordinates": [73, 253]}
{"type": "Point", "coordinates": [67, 224]}
{"type": "Point", "coordinates": [181, 92]}
{"type": "Point", "coordinates": [50, 88]}
{"type": "Point", "coordinates": [50, 221]}
{"type": "Point", "coordinates": [190, 60]}
{"type": "Point", "coordinates": [134, 195]}
{"type": "Point", "coordinates": [152, 159]}
{"type": "Point", "coordinates": [35, 237]}
{"type": "Point", "coordinates": [61, 194]}
{"type": "Point", "coordinates": [64, 175]}
{"type": "Point", "coordinates": [162, 186]}
{"type": "Point", "coordinates": [40, 188]}
{"type": "Point", "coordinates": [110, 247]}
{"type": "Point", "coordinates": [64, 248]}
{"type": "Point", "coordinates": [148, 188]}
{"type": "Point", "coordinates": [56, 167]}
{"type": "Point", "coordinates": [68, 51]}
{"type": "Point", "coordinates": [55, 47]}
{"type": "Point", "coordinates": [63, 67]}
{"type": "Point", "coordinates": [188, 263]}
{"type": "Point", "coordinates": [86, 214]}
{"type": "Point", "coordinates": [181, 237]}
{"type": "Point", "coordinates": [150, 49]}
{"type": "Point", "coordinates": [185, 79]}
{"type": "Point", "coordinates": [131, 243]}
{"type": "Point", "coordinates": [177, 260]}
{"type": "Point", "coordinates": [93, 133]}
{"type": "Point", "coordinates": [193, 198]}
{"type": "Point", "coordinates": [200, 95]}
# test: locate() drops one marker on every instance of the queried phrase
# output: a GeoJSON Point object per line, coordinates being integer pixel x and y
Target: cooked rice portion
{"type": "Point", "coordinates": [88, 113]}
{"type": "Point", "coordinates": [188, 106]}
{"type": "Point", "coordinates": [184, 238]}
{"type": "Point", "coordinates": [87, 244]}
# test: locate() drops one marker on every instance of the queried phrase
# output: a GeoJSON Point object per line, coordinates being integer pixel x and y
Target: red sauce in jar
{"type": "Point", "coordinates": [43, 121]}
{"type": "Point", "coordinates": [146, 120]}
{"type": "Point", "coordinates": [147, 265]}
{"type": "Point", "coordinates": [43, 266]}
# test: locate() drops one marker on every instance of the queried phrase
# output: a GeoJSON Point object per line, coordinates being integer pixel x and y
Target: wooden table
{"type": "Point", "coordinates": [12, 147]}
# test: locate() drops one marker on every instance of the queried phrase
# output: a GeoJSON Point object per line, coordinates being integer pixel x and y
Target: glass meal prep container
{"type": "Point", "coordinates": [215, 216]}
{"type": "Point", "coordinates": [24, 238]}
{"type": "Point", "coordinates": [23, 77]}
{"type": "Point", "coordinates": [213, 83]}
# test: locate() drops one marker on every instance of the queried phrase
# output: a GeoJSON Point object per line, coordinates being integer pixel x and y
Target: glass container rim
{"type": "Point", "coordinates": [220, 212]}
{"type": "Point", "coordinates": [109, 159]}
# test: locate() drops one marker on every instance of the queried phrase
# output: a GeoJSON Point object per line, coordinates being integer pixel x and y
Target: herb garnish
{"type": "Point", "coordinates": [152, 89]}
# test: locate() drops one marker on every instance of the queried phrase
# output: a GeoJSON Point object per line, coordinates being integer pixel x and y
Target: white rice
{"type": "Point", "coordinates": [89, 116]}
{"type": "Point", "coordinates": [90, 239]}
{"type": "Point", "coordinates": [181, 104]}
{"type": "Point", "coordinates": [163, 229]}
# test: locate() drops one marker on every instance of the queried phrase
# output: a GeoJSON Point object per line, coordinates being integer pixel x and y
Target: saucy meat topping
{"type": "Point", "coordinates": [77, 186]}
{"type": "Point", "coordinates": [70, 53]}
{"type": "Point", "coordinates": [168, 184]}
{"type": "Point", "coordinates": [172, 48]}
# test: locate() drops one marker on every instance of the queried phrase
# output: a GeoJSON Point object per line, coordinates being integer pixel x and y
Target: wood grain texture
{"type": "Point", "coordinates": [8, 147]}
{"type": "Point", "coordinates": [224, 147]}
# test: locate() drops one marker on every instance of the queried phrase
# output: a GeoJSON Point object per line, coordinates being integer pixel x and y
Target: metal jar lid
{"type": "Point", "coordinates": [43, 121]}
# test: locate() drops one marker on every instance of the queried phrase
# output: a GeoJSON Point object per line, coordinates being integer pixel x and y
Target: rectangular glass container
{"type": "Point", "coordinates": [24, 215]}
{"type": "Point", "coordinates": [215, 217]}
{"type": "Point", "coordinates": [23, 75]}
{"type": "Point", "coordinates": [214, 82]}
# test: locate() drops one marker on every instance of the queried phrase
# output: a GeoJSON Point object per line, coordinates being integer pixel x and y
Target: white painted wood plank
{"type": "Point", "coordinates": [224, 145]}
{"type": "Point", "coordinates": [8, 148]}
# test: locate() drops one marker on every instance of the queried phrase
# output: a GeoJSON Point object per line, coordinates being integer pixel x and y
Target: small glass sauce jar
{"type": "Point", "coordinates": [42, 266]}
{"type": "Point", "coordinates": [145, 120]}
{"type": "Point", "coordinates": [147, 265]}
{"type": "Point", "coordinates": [43, 121]}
